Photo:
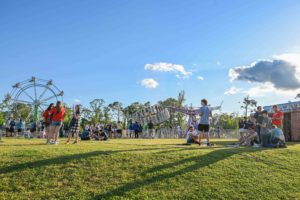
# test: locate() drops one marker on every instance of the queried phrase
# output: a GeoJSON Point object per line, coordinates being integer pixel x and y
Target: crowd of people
{"type": "Point", "coordinates": [262, 129]}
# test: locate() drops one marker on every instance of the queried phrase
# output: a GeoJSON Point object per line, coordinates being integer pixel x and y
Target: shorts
{"type": "Point", "coordinates": [56, 123]}
{"type": "Point", "coordinates": [203, 128]}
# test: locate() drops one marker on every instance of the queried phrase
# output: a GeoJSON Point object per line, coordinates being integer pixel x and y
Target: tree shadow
{"type": "Point", "coordinates": [198, 163]}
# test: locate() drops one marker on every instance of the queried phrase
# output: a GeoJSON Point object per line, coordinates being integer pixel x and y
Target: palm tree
{"type": "Point", "coordinates": [248, 103]}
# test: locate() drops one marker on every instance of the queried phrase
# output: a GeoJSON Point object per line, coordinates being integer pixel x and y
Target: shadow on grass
{"type": "Point", "coordinates": [198, 163]}
{"type": "Point", "coordinates": [64, 159]}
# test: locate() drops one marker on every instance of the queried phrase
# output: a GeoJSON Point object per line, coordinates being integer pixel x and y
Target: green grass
{"type": "Point", "coordinates": [146, 169]}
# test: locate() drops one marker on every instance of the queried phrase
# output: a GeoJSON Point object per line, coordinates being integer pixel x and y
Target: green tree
{"type": "Point", "coordinates": [116, 107]}
{"type": "Point", "coordinates": [96, 107]}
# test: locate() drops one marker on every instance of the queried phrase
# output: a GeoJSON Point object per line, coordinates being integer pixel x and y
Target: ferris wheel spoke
{"type": "Point", "coordinates": [43, 93]}
{"type": "Point", "coordinates": [22, 101]}
{"type": "Point", "coordinates": [35, 94]}
{"type": "Point", "coordinates": [49, 98]}
{"type": "Point", "coordinates": [28, 95]}
{"type": "Point", "coordinates": [42, 109]}
{"type": "Point", "coordinates": [28, 116]}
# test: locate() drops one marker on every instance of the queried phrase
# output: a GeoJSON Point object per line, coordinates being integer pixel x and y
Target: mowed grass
{"type": "Point", "coordinates": [146, 169]}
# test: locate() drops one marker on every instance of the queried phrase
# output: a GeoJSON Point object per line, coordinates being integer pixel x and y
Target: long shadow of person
{"type": "Point", "coordinates": [60, 160]}
{"type": "Point", "coordinates": [198, 163]}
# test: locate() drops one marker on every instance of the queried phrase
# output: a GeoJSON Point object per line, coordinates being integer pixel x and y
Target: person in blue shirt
{"type": "Point", "coordinates": [20, 126]}
{"type": "Point", "coordinates": [203, 127]}
{"type": "Point", "coordinates": [136, 128]}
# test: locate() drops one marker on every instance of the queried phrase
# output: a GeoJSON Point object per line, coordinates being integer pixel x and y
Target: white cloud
{"type": "Point", "coordinates": [76, 101]}
{"type": "Point", "coordinates": [201, 78]}
{"type": "Point", "coordinates": [232, 91]}
{"type": "Point", "coordinates": [218, 63]}
{"type": "Point", "coordinates": [149, 83]}
{"type": "Point", "coordinates": [261, 90]}
{"type": "Point", "coordinates": [169, 67]}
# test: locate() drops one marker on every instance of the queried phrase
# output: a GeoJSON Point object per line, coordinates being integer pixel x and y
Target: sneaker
{"type": "Point", "coordinates": [210, 144]}
{"type": "Point", "coordinates": [48, 142]}
{"type": "Point", "coordinates": [67, 142]}
{"type": "Point", "coordinates": [55, 142]}
{"type": "Point", "coordinates": [256, 145]}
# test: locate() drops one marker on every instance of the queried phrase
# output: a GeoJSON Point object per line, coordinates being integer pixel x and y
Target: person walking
{"type": "Point", "coordinates": [58, 114]}
{"type": "Point", "coordinates": [74, 125]}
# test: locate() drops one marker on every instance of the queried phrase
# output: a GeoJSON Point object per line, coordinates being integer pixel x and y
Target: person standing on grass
{"type": "Point", "coordinates": [74, 125]}
{"type": "Point", "coordinates": [20, 126]}
{"type": "Point", "coordinates": [203, 127]}
{"type": "Point", "coordinates": [119, 129]}
{"type": "Point", "coordinates": [58, 114]}
{"type": "Point", "coordinates": [136, 129]}
{"type": "Point", "coordinates": [151, 129]}
{"type": "Point", "coordinates": [258, 116]}
{"type": "Point", "coordinates": [277, 117]}
{"type": "Point", "coordinates": [47, 120]}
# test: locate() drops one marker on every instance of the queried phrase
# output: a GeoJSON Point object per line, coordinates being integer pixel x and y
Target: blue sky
{"type": "Point", "coordinates": [99, 49]}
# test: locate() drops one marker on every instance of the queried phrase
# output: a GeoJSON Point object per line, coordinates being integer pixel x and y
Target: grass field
{"type": "Point", "coordinates": [146, 169]}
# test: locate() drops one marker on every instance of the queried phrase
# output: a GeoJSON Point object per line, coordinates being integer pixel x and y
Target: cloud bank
{"type": "Point", "coordinates": [283, 72]}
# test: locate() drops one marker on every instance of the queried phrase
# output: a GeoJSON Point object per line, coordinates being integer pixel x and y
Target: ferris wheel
{"type": "Point", "coordinates": [32, 97]}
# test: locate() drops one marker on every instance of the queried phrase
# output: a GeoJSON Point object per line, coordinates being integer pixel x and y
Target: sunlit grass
{"type": "Point", "coordinates": [146, 169]}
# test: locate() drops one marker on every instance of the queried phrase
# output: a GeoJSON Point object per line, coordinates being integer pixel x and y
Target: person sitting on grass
{"type": "Point", "coordinates": [276, 138]}
{"type": "Point", "coordinates": [192, 136]}
{"type": "Point", "coordinates": [250, 138]}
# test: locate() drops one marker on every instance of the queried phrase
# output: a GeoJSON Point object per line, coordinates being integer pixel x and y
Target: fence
{"type": "Point", "coordinates": [173, 133]}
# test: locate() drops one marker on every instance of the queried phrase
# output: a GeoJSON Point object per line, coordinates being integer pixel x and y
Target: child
{"type": "Point", "coordinates": [192, 136]}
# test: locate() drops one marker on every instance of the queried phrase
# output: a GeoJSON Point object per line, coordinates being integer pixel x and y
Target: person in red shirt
{"type": "Point", "coordinates": [277, 117]}
{"type": "Point", "coordinates": [58, 114]}
{"type": "Point", "coordinates": [47, 120]}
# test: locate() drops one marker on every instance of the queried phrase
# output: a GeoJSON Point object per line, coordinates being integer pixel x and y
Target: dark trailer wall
{"type": "Point", "coordinates": [287, 126]}
{"type": "Point", "coordinates": [291, 121]}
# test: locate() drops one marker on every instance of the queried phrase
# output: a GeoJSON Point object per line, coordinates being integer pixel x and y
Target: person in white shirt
{"type": "Point", "coordinates": [192, 136]}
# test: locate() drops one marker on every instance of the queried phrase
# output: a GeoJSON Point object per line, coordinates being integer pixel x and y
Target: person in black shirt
{"type": "Point", "coordinates": [151, 129]}
{"type": "Point", "coordinates": [259, 119]}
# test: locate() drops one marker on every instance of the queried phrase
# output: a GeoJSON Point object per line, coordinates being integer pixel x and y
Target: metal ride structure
{"type": "Point", "coordinates": [155, 113]}
{"type": "Point", "coordinates": [35, 94]}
